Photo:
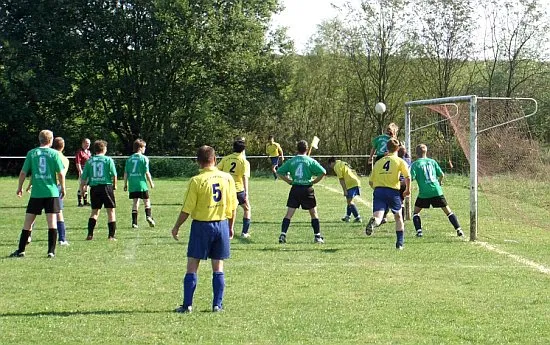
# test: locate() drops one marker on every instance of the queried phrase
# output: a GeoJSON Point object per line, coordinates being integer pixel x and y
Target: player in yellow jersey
{"type": "Point", "coordinates": [275, 154]}
{"type": "Point", "coordinates": [351, 186]}
{"type": "Point", "coordinates": [385, 181]}
{"type": "Point", "coordinates": [237, 165]}
{"type": "Point", "coordinates": [211, 201]}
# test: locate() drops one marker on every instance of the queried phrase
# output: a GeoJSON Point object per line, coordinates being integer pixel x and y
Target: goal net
{"type": "Point", "coordinates": [488, 144]}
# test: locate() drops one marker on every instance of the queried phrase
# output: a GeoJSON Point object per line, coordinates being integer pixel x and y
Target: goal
{"type": "Point", "coordinates": [479, 137]}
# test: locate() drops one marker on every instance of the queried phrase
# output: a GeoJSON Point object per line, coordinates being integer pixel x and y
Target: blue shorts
{"type": "Point", "coordinates": [274, 160]}
{"type": "Point", "coordinates": [386, 198]}
{"type": "Point", "coordinates": [353, 192]}
{"type": "Point", "coordinates": [209, 240]}
{"type": "Point", "coordinates": [241, 197]}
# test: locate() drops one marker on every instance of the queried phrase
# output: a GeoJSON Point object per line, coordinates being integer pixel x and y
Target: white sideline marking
{"type": "Point", "coordinates": [517, 258]}
{"type": "Point", "coordinates": [339, 191]}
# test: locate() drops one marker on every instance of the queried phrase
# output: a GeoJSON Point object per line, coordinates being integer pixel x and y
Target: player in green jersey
{"type": "Point", "coordinates": [136, 176]}
{"type": "Point", "coordinates": [237, 165]}
{"type": "Point", "coordinates": [44, 165]}
{"type": "Point", "coordinates": [428, 175]}
{"type": "Point", "coordinates": [100, 174]}
{"type": "Point", "coordinates": [301, 169]}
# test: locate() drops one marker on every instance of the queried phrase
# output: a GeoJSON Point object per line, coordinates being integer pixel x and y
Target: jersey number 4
{"type": "Point", "coordinates": [386, 166]}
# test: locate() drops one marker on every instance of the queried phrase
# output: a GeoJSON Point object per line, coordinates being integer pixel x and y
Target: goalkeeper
{"type": "Point", "coordinates": [428, 175]}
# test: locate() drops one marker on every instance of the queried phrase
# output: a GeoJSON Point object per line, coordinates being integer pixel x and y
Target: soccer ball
{"type": "Point", "coordinates": [380, 108]}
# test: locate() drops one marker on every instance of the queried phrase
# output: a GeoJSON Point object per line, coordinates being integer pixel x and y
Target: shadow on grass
{"type": "Point", "coordinates": [77, 313]}
{"type": "Point", "coordinates": [284, 248]}
{"type": "Point", "coordinates": [13, 207]}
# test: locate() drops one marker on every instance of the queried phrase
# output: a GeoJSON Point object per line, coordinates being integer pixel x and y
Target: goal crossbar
{"type": "Point", "coordinates": [474, 132]}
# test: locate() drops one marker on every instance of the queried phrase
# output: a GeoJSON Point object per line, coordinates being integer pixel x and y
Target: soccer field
{"type": "Point", "coordinates": [353, 289]}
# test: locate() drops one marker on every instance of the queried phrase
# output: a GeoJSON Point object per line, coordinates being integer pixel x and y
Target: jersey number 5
{"type": "Point", "coordinates": [217, 192]}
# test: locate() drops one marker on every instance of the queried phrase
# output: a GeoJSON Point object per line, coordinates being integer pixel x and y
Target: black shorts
{"type": "Point", "coordinates": [139, 195]}
{"type": "Point", "coordinates": [301, 196]}
{"type": "Point", "coordinates": [436, 201]}
{"type": "Point", "coordinates": [102, 195]}
{"type": "Point", "coordinates": [50, 205]}
{"type": "Point", "coordinates": [241, 197]}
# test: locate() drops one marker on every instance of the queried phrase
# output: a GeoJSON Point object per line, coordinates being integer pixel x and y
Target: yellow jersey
{"type": "Point", "coordinates": [65, 162]}
{"type": "Point", "coordinates": [236, 165]}
{"type": "Point", "coordinates": [273, 150]}
{"type": "Point", "coordinates": [386, 172]}
{"type": "Point", "coordinates": [344, 171]}
{"type": "Point", "coordinates": [210, 196]}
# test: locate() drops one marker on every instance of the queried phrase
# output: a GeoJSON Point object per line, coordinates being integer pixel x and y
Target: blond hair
{"type": "Point", "coordinates": [392, 130]}
{"type": "Point", "coordinates": [45, 137]}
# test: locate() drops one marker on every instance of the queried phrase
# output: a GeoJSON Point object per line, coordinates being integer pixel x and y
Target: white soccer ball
{"type": "Point", "coordinates": [380, 108]}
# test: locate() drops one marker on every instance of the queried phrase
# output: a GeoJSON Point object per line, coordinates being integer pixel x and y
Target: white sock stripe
{"type": "Point", "coordinates": [450, 214]}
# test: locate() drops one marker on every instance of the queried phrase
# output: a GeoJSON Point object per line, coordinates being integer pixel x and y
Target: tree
{"type": "Point", "coordinates": [444, 45]}
{"type": "Point", "coordinates": [513, 46]}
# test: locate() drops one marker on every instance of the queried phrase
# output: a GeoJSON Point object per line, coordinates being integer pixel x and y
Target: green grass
{"type": "Point", "coordinates": [352, 290]}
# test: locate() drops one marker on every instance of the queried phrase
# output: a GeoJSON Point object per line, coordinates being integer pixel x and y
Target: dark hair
{"type": "Point", "coordinates": [331, 160]}
{"type": "Point", "coordinates": [99, 146]}
{"type": "Point", "coordinates": [138, 143]}
{"type": "Point", "coordinates": [393, 145]}
{"type": "Point", "coordinates": [402, 152]}
{"type": "Point", "coordinates": [238, 146]}
{"type": "Point", "coordinates": [302, 146]}
{"type": "Point", "coordinates": [206, 154]}
{"type": "Point", "coordinates": [58, 143]}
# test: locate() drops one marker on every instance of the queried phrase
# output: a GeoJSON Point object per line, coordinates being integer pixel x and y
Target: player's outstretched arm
{"type": "Point", "coordinates": [150, 180]}
{"type": "Point", "coordinates": [22, 176]}
{"type": "Point", "coordinates": [125, 181]}
{"type": "Point", "coordinates": [407, 191]}
{"type": "Point", "coordinates": [231, 222]}
{"type": "Point", "coordinates": [343, 184]}
{"type": "Point", "coordinates": [179, 222]}
{"type": "Point", "coordinates": [61, 179]}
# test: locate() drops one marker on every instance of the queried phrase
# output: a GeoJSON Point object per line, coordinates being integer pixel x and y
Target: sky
{"type": "Point", "coordinates": [302, 17]}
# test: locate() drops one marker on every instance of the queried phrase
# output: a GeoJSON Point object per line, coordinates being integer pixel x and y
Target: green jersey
{"type": "Point", "coordinates": [380, 144]}
{"type": "Point", "coordinates": [302, 168]}
{"type": "Point", "coordinates": [98, 170]}
{"type": "Point", "coordinates": [426, 172]}
{"type": "Point", "coordinates": [137, 165]}
{"type": "Point", "coordinates": [43, 164]}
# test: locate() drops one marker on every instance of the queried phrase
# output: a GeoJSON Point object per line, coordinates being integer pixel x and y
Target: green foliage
{"type": "Point", "coordinates": [173, 167]}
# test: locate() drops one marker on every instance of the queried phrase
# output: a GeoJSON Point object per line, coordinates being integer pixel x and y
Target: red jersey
{"type": "Point", "coordinates": [81, 157]}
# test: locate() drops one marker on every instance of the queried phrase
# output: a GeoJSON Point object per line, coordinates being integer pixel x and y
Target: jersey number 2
{"type": "Point", "coordinates": [233, 166]}
{"type": "Point", "coordinates": [217, 192]}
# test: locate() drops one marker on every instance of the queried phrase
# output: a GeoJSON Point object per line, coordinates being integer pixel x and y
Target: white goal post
{"type": "Point", "coordinates": [474, 131]}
